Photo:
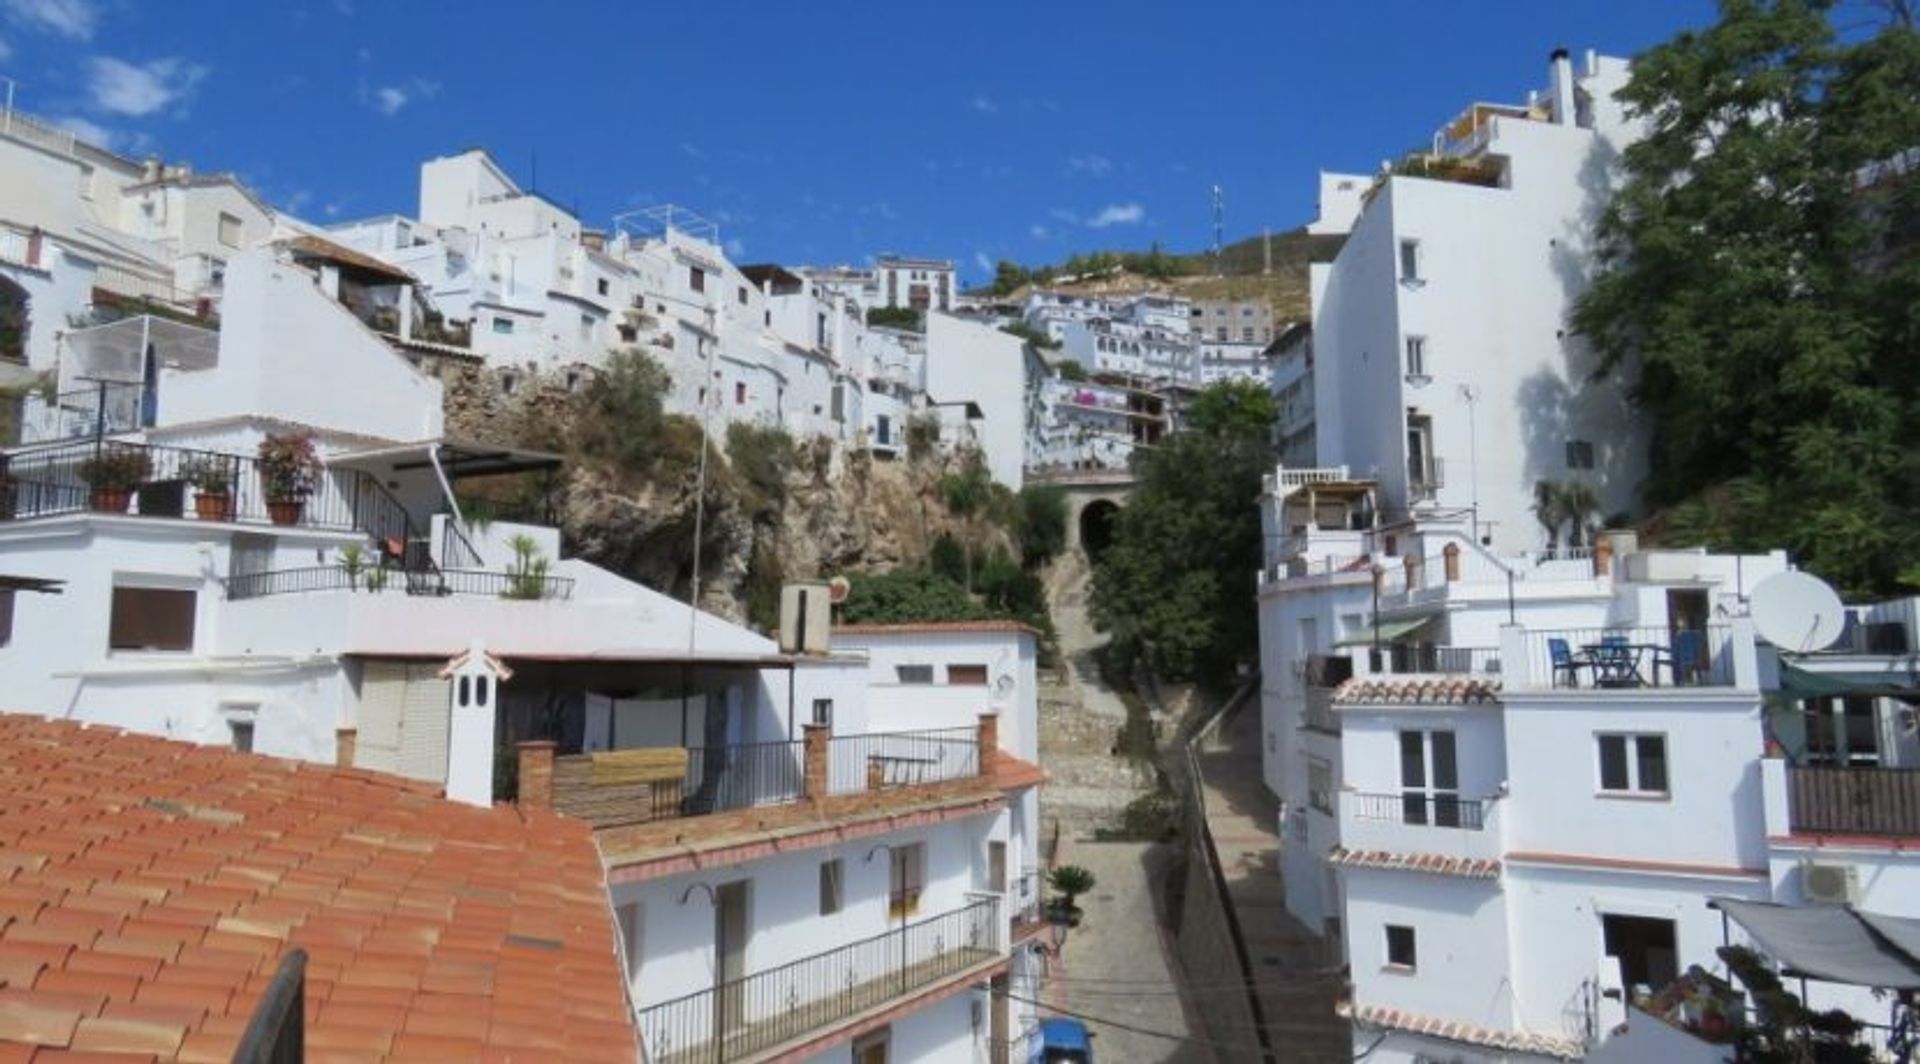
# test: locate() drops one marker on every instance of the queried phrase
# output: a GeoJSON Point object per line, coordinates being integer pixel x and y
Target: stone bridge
{"type": "Point", "coordinates": [1094, 499]}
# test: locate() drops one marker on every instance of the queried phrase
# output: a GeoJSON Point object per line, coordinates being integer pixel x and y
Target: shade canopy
{"type": "Point", "coordinates": [1799, 684]}
{"type": "Point", "coordinates": [117, 351]}
{"type": "Point", "coordinates": [1388, 631]}
{"type": "Point", "coordinates": [1832, 943]}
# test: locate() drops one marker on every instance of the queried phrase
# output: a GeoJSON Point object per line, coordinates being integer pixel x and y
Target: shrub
{"type": "Point", "coordinates": [1071, 881]}
{"type": "Point", "coordinates": [1042, 524]}
{"type": "Point", "coordinates": [117, 468]}
{"type": "Point", "coordinates": [906, 596]}
{"type": "Point", "coordinates": [1031, 335]}
{"type": "Point", "coordinates": [894, 317]}
{"type": "Point", "coordinates": [289, 466]}
{"type": "Point", "coordinates": [761, 457]}
{"type": "Point", "coordinates": [923, 435]}
{"type": "Point", "coordinates": [527, 576]}
{"type": "Point", "coordinates": [1072, 370]}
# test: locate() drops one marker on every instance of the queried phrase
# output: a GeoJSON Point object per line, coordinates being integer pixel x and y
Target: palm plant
{"type": "Point", "coordinates": [1071, 881]}
{"type": "Point", "coordinates": [1579, 506]}
{"type": "Point", "coordinates": [1546, 510]}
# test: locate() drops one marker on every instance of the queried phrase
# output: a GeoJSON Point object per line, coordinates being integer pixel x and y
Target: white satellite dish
{"type": "Point", "coordinates": [1797, 612]}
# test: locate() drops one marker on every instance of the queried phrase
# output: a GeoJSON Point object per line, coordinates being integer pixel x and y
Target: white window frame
{"type": "Point", "coordinates": [1386, 948]}
{"type": "Point", "coordinates": [1414, 349]}
{"type": "Point", "coordinates": [1631, 753]}
{"type": "Point", "coordinates": [1419, 274]}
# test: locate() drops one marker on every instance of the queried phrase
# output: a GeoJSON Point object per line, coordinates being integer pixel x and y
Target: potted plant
{"type": "Point", "coordinates": [112, 474]}
{"type": "Point", "coordinates": [212, 477]}
{"type": "Point", "coordinates": [289, 471]}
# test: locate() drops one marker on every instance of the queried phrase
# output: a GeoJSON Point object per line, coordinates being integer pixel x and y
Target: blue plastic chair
{"type": "Point", "coordinates": [1564, 661]}
{"type": "Point", "coordinates": [1685, 657]}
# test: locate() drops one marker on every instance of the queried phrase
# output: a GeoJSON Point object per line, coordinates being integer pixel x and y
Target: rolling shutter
{"type": "Point", "coordinates": [424, 721]}
{"type": "Point", "coordinates": [383, 687]}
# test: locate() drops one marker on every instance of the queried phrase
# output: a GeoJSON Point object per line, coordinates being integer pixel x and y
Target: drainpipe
{"type": "Point", "coordinates": [433, 457]}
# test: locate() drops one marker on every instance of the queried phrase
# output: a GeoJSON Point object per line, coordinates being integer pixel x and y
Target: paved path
{"type": "Point", "coordinates": [1297, 988]}
{"type": "Point", "coordinates": [1116, 965]}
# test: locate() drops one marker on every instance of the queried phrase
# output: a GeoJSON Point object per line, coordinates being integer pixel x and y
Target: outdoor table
{"type": "Point", "coordinates": [1618, 664]}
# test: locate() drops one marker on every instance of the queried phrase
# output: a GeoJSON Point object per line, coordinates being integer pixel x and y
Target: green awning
{"type": "Point", "coordinates": [1798, 684]}
{"type": "Point", "coordinates": [1387, 632]}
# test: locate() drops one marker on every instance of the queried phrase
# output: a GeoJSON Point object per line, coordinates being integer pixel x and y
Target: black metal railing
{"type": "Point", "coordinates": [456, 550]}
{"type": "Point", "coordinates": [1837, 800]}
{"type": "Point", "coordinates": [106, 408]}
{"type": "Point", "coordinates": [276, 1033]}
{"type": "Point", "coordinates": [376, 579]}
{"type": "Point", "coordinates": [739, 776]}
{"type": "Point", "coordinates": [744, 1017]}
{"type": "Point", "coordinates": [1403, 658]}
{"type": "Point", "coordinates": [901, 759]}
{"type": "Point", "coordinates": [1631, 657]}
{"type": "Point", "coordinates": [1420, 808]}
{"type": "Point", "coordinates": [160, 482]}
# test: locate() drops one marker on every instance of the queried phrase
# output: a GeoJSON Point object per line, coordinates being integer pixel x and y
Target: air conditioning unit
{"type": "Point", "coordinates": [1834, 884]}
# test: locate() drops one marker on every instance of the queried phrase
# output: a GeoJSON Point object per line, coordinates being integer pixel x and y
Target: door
{"type": "Point", "coordinates": [997, 867]}
{"type": "Point", "coordinates": [1644, 947]}
{"type": "Point", "coordinates": [1429, 779]}
{"type": "Point", "coordinates": [999, 1032]}
{"type": "Point", "coordinates": [730, 950]}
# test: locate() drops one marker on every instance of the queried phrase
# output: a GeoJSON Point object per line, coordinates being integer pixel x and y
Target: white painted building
{"type": "Point", "coordinates": [1092, 424]}
{"type": "Point", "coordinates": [1341, 198]}
{"type": "Point", "coordinates": [1292, 385]}
{"type": "Point", "coordinates": [1512, 783]}
{"type": "Point", "coordinates": [1446, 367]}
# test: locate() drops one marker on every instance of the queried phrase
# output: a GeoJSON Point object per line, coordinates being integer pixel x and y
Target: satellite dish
{"type": "Point", "coordinates": [1797, 612]}
{"type": "Point", "coordinates": [838, 589]}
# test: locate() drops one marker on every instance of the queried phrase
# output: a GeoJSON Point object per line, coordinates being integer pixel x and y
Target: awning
{"type": "Point", "coordinates": [459, 459]}
{"type": "Point", "coordinates": [1388, 631]}
{"type": "Point", "coordinates": [1799, 684]}
{"type": "Point", "coordinates": [1833, 943]}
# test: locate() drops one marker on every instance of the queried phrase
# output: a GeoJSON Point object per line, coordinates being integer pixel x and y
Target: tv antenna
{"type": "Point", "coordinates": [1219, 225]}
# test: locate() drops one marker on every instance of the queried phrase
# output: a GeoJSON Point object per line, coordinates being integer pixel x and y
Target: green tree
{"type": "Point", "coordinates": [1008, 277]}
{"type": "Point", "coordinates": [1042, 524]}
{"type": "Point", "coordinates": [1071, 370]}
{"type": "Point", "coordinates": [1758, 276]}
{"type": "Point", "coordinates": [895, 317]}
{"type": "Point", "coordinates": [908, 595]}
{"type": "Point", "coordinates": [1176, 584]}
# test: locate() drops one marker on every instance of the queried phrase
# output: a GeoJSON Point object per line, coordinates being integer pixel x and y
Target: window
{"type": "Point", "coordinates": [229, 230]}
{"type": "Point", "coordinates": [1221, 334]}
{"type": "Point", "coordinates": [602, 286]}
{"type": "Point", "coordinates": [914, 673]}
{"type": "Point", "coordinates": [823, 712]}
{"type": "Point", "coordinates": [1579, 454]}
{"type": "Point", "coordinates": [1644, 946]}
{"type": "Point", "coordinates": [1246, 333]}
{"type": "Point", "coordinates": [906, 878]}
{"type": "Point", "coordinates": [503, 326]}
{"type": "Point", "coordinates": [1633, 764]}
{"type": "Point", "coordinates": [1410, 260]}
{"type": "Point", "coordinates": [242, 733]}
{"type": "Point", "coordinates": [1417, 357]}
{"type": "Point", "coordinates": [871, 1048]}
{"type": "Point", "coordinates": [743, 295]}
{"type": "Point", "coordinates": [1429, 779]}
{"type": "Point", "coordinates": [696, 278]}
{"type": "Point", "coordinates": [629, 918]}
{"type": "Point", "coordinates": [739, 393]}
{"type": "Point", "coordinates": [831, 873]}
{"type": "Point", "coordinates": [151, 618]}
{"type": "Point", "coordinates": [1320, 785]}
{"type": "Point", "coordinates": [1400, 947]}
{"type": "Point", "coordinates": [967, 675]}
{"type": "Point", "coordinates": [6, 617]}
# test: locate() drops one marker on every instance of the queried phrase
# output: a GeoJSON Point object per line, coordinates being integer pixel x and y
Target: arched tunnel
{"type": "Point", "coordinates": [1096, 527]}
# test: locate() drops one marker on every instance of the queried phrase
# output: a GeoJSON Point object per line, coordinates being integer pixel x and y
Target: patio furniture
{"type": "Point", "coordinates": [1616, 662]}
{"type": "Point", "coordinates": [1683, 656]}
{"type": "Point", "coordinates": [1565, 662]}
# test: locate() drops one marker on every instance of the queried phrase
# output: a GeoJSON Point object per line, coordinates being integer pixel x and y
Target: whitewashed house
{"type": "Point", "coordinates": [1446, 368]}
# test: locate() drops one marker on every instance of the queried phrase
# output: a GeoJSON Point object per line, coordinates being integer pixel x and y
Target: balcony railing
{"type": "Point", "coordinates": [1427, 659]}
{"type": "Point", "coordinates": [50, 481]}
{"type": "Point", "coordinates": [1421, 808]}
{"type": "Point", "coordinates": [741, 1018]}
{"type": "Point", "coordinates": [1425, 477]}
{"type": "Point", "coordinates": [378, 580]}
{"type": "Point", "coordinates": [1835, 800]}
{"type": "Point", "coordinates": [1025, 897]}
{"type": "Point", "coordinates": [1631, 657]}
{"type": "Point", "coordinates": [901, 759]}
{"type": "Point", "coordinates": [741, 776]}
{"type": "Point", "coordinates": [103, 410]}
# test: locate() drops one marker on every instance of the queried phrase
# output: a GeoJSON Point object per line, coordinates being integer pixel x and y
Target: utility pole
{"type": "Point", "coordinates": [1266, 244]}
{"type": "Point", "coordinates": [1219, 229]}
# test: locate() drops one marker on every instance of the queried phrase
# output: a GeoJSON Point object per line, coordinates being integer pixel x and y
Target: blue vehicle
{"type": "Point", "coordinates": [1062, 1041]}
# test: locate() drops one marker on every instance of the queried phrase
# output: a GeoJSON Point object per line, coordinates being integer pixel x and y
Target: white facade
{"type": "Point", "coordinates": [973, 363]}
{"type": "Point", "coordinates": [1446, 366]}
{"type": "Point", "coordinates": [1341, 198]}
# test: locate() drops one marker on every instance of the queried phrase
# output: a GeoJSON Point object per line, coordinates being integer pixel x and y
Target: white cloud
{"type": "Point", "coordinates": [1061, 214]}
{"type": "Point", "coordinates": [984, 105]}
{"type": "Point", "coordinates": [68, 18]}
{"type": "Point", "coordinates": [981, 260]}
{"type": "Point", "coordinates": [1117, 214]}
{"type": "Point", "coordinates": [122, 88]}
{"type": "Point", "coordinates": [1038, 231]}
{"type": "Point", "coordinates": [90, 132]}
{"type": "Point", "coordinates": [1096, 165]}
{"type": "Point", "coordinates": [390, 99]}
{"type": "Point", "coordinates": [691, 151]}
{"type": "Point", "coordinates": [735, 249]}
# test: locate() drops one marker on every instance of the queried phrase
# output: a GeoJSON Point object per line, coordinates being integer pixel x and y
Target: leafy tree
{"type": "Point", "coordinates": [761, 456]}
{"type": "Point", "coordinates": [1233, 409]}
{"type": "Point", "coordinates": [1072, 370]}
{"type": "Point", "coordinates": [895, 317]}
{"type": "Point", "coordinates": [1176, 582]}
{"type": "Point", "coordinates": [1008, 277]}
{"type": "Point", "coordinates": [1757, 270]}
{"type": "Point", "coordinates": [907, 595]}
{"type": "Point", "coordinates": [1030, 335]}
{"type": "Point", "coordinates": [1042, 524]}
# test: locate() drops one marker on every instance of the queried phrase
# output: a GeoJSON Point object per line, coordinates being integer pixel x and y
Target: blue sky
{"type": "Point", "coordinates": [813, 132]}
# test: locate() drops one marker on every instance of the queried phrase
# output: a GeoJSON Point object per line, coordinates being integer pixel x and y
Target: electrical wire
{"type": "Point", "coordinates": [1168, 1035]}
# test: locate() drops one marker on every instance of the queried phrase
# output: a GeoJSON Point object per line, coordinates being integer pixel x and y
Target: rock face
{"type": "Point", "coordinates": [842, 511]}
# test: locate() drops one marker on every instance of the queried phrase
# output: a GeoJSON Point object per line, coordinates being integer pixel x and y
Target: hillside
{"type": "Point", "coordinates": [1237, 275]}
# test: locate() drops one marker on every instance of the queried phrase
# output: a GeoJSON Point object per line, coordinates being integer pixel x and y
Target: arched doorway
{"type": "Point", "coordinates": [1097, 525]}
{"type": "Point", "coordinates": [13, 321]}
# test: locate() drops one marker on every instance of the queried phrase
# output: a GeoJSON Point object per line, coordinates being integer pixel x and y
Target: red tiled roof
{"type": "Point", "coordinates": [934, 627]}
{"type": "Point", "coordinates": [1417, 690]}
{"type": "Point", "coordinates": [1437, 864]}
{"type": "Point", "coordinates": [1469, 1033]}
{"type": "Point", "coordinates": [149, 888]}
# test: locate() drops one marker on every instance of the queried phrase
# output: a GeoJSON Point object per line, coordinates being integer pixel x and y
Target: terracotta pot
{"type": "Point", "coordinates": [110, 500]}
{"type": "Point", "coordinates": [286, 511]}
{"type": "Point", "coordinates": [214, 506]}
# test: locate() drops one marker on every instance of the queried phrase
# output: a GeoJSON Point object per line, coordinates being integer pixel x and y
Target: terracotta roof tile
{"type": "Point", "coordinates": [1468, 1033]}
{"type": "Point", "coordinates": [149, 889]}
{"type": "Point", "coordinates": [1434, 863]}
{"type": "Point", "coordinates": [1451, 690]}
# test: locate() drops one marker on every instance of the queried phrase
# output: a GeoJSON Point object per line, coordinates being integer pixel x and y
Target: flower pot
{"type": "Point", "coordinates": [110, 500]}
{"type": "Point", "coordinates": [286, 511]}
{"type": "Point", "coordinates": [216, 506]}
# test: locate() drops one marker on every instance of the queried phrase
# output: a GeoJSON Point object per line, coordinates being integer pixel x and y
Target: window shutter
{"type": "Point", "coordinates": [424, 721]}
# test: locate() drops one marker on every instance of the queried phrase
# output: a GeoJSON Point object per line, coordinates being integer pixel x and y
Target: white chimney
{"type": "Point", "coordinates": [1561, 85]}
